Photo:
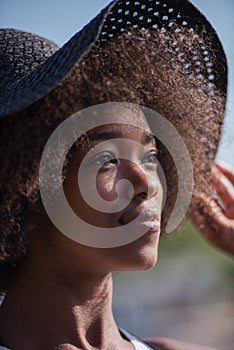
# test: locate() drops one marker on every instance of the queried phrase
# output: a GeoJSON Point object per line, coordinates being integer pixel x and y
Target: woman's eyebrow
{"type": "Point", "coordinates": [107, 135]}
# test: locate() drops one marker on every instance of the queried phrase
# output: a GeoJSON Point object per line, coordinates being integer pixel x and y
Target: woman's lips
{"type": "Point", "coordinates": [149, 218]}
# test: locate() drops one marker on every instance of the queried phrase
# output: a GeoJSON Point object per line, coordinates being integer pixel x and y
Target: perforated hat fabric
{"type": "Point", "coordinates": [30, 66]}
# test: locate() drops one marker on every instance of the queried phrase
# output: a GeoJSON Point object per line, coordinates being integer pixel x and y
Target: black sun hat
{"type": "Point", "coordinates": [32, 66]}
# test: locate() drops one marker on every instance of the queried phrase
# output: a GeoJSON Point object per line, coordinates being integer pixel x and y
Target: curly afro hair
{"type": "Point", "coordinates": [122, 69]}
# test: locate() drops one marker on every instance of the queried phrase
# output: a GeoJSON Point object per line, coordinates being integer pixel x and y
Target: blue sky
{"type": "Point", "coordinates": [58, 20]}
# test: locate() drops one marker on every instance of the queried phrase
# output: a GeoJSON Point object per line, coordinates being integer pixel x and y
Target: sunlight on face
{"type": "Point", "coordinates": [103, 151]}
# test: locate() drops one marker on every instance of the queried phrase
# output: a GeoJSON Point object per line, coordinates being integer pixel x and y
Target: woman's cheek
{"type": "Point", "coordinates": [106, 184]}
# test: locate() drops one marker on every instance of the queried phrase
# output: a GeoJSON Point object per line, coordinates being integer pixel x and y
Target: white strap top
{"type": "Point", "coordinates": [137, 343]}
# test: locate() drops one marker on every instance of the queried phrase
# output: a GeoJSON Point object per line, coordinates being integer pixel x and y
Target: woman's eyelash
{"type": "Point", "coordinates": [105, 159]}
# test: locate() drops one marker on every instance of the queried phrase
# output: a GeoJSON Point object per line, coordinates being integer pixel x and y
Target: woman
{"type": "Point", "coordinates": [166, 57]}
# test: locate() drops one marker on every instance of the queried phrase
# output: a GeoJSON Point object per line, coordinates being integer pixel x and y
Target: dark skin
{"type": "Point", "coordinates": [59, 269]}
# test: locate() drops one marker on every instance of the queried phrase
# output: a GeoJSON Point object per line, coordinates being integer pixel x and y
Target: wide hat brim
{"type": "Point", "coordinates": [120, 16]}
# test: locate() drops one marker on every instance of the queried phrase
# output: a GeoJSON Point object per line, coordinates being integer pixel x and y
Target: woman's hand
{"type": "Point", "coordinates": [217, 220]}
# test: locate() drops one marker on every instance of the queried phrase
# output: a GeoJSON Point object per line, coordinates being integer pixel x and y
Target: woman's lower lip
{"type": "Point", "coordinates": [150, 225]}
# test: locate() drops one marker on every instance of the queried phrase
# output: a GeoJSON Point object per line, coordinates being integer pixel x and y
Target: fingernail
{"type": "Point", "coordinates": [215, 170]}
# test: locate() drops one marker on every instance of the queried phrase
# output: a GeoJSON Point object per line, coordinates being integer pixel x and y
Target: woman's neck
{"type": "Point", "coordinates": [53, 307]}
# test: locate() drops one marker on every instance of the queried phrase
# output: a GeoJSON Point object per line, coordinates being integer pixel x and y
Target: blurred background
{"type": "Point", "coordinates": [189, 295]}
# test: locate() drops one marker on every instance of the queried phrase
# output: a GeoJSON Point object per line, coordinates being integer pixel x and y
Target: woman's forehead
{"type": "Point", "coordinates": [110, 114]}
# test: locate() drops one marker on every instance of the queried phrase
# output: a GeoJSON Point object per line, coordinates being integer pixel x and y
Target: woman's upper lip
{"type": "Point", "coordinates": [144, 215]}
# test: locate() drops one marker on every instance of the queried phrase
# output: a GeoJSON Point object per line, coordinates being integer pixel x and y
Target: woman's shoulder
{"type": "Point", "coordinates": [173, 344]}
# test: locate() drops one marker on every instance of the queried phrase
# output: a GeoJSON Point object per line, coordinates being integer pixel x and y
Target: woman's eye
{"type": "Point", "coordinates": [150, 158]}
{"type": "Point", "coordinates": [105, 159]}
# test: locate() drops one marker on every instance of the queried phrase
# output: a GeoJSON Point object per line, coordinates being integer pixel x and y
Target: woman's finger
{"type": "Point", "coordinates": [229, 212]}
{"type": "Point", "coordinates": [226, 170]}
{"type": "Point", "coordinates": [223, 187]}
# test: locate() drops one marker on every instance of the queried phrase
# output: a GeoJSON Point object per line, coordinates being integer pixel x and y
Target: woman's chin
{"type": "Point", "coordinates": [147, 259]}
{"type": "Point", "coordinates": [140, 260]}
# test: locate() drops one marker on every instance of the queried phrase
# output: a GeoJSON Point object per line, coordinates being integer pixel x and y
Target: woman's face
{"type": "Point", "coordinates": [103, 154]}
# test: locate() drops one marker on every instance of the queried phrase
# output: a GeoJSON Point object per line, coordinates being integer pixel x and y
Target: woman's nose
{"type": "Point", "coordinates": [144, 183]}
